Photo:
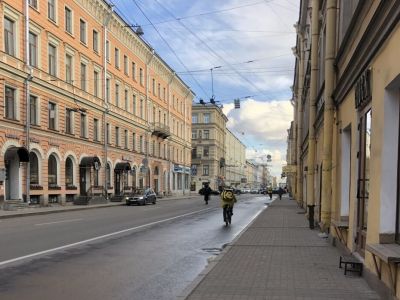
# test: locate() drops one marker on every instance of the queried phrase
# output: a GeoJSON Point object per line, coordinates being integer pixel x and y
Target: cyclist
{"type": "Point", "coordinates": [228, 200]}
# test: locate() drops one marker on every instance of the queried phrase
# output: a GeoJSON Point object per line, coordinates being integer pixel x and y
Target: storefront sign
{"type": "Point", "coordinates": [182, 169]}
{"type": "Point", "coordinates": [363, 89]}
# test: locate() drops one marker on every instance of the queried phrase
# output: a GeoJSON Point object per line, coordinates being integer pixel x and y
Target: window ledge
{"type": "Point", "coordinates": [389, 253]}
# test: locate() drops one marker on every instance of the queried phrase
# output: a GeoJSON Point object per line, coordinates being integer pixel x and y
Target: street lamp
{"type": "Point", "coordinates": [212, 81]}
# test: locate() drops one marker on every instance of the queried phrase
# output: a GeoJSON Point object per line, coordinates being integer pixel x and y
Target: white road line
{"type": "Point", "coordinates": [64, 221]}
{"type": "Point", "coordinates": [5, 262]}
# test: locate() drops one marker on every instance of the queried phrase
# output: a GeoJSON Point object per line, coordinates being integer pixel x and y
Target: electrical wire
{"type": "Point", "coordinates": [169, 46]}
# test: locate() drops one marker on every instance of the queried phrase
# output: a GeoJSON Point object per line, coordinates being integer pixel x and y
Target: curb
{"type": "Point", "coordinates": [77, 208]}
{"type": "Point", "coordinates": [211, 264]}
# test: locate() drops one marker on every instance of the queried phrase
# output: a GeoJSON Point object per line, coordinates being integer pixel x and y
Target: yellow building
{"type": "Point", "coordinates": [346, 93]}
{"type": "Point", "coordinates": [235, 159]}
{"type": "Point", "coordinates": [89, 109]}
{"type": "Point", "coordinates": [208, 145]}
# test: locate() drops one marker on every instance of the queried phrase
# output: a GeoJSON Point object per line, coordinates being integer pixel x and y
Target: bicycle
{"type": "Point", "coordinates": [227, 213]}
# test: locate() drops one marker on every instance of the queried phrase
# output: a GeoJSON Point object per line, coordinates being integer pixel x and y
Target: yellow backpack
{"type": "Point", "coordinates": [227, 196]}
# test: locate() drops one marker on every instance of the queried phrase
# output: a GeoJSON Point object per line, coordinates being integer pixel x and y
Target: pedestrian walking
{"type": "Point", "coordinates": [270, 192]}
{"type": "Point", "coordinates": [281, 191]}
{"type": "Point", "coordinates": [206, 192]}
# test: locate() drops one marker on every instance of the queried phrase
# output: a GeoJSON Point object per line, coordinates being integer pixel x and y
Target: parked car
{"type": "Point", "coordinates": [254, 191]}
{"type": "Point", "coordinates": [142, 198]}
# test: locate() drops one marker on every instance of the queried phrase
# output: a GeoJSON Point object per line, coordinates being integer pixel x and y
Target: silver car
{"type": "Point", "coordinates": [142, 198]}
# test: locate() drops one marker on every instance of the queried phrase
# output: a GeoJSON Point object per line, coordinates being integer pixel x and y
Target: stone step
{"type": "Point", "coordinates": [13, 205]}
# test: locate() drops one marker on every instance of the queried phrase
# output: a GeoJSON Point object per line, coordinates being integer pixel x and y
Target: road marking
{"type": "Point", "coordinates": [64, 221]}
{"type": "Point", "coordinates": [5, 262]}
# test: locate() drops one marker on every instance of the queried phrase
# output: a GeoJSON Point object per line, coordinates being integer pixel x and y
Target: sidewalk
{"type": "Point", "coordinates": [56, 208]}
{"type": "Point", "coordinates": [278, 257]}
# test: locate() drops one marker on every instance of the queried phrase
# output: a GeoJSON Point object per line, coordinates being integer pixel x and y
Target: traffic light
{"type": "Point", "coordinates": [237, 103]}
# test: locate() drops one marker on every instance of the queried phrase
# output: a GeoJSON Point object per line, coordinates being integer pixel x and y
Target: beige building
{"type": "Point", "coordinates": [235, 159]}
{"type": "Point", "coordinates": [346, 92]}
{"type": "Point", "coordinates": [89, 109]}
{"type": "Point", "coordinates": [251, 174]}
{"type": "Point", "coordinates": [208, 145]}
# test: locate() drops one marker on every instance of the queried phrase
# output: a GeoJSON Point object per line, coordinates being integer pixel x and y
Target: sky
{"type": "Point", "coordinates": [247, 45]}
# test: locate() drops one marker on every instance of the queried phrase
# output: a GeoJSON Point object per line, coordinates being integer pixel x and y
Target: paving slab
{"type": "Point", "coordinates": [278, 257]}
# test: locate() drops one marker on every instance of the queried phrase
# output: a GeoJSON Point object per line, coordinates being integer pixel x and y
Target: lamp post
{"type": "Point", "coordinates": [212, 81]}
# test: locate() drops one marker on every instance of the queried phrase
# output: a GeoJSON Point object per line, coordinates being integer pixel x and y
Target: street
{"type": "Point", "coordinates": [137, 252]}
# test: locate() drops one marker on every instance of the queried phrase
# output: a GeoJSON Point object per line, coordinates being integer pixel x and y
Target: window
{"type": "Point", "coordinates": [205, 170]}
{"type": "Point", "coordinates": [82, 31]}
{"type": "Point", "coordinates": [116, 57]}
{"type": "Point", "coordinates": [96, 83]}
{"type": "Point", "coordinates": [206, 118]}
{"type": "Point", "coordinates": [69, 172]}
{"type": "Point", "coordinates": [34, 168]}
{"type": "Point", "coordinates": [134, 104]}
{"type": "Point", "coordinates": [117, 94]}
{"type": "Point", "coordinates": [83, 76]}
{"type": "Point", "coordinates": [133, 71]}
{"type": "Point", "coordinates": [194, 153]}
{"type": "Point", "coordinates": [51, 10]}
{"type": "Point", "coordinates": [164, 94]}
{"type": "Point", "coordinates": [33, 3]}
{"type": "Point", "coordinates": [68, 20]}
{"type": "Point", "coordinates": [52, 60]}
{"type": "Point", "coordinates": [194, 134]}
{"type": "Point", "coordinates": [108, 50]}
{"type": "Point", "coordinates": [108, 175]}
{"type": "Point", "coordinates": [126, 138]}
{"type": "Point", "coordinates": [206, 151]}
{"type": "Point", "coordinates": [83, 125]}
{"type": "Point", "coordinates": [9, 37]}
{"type": "Point", "coordinates": [194, 170]}
{"type": "Point", "coordinates": [52, 170]}
{"type": "Point", "coordinates": [68, 68]}
{"type": "Point", "coordinates": [126, 65]}
{"type": "Point", "coordinates": [153, 86]}
{"type": "Point", "coordinates": [33, 110]}
{"type": "Point", "coordinates": [52, 115]}
{"type": "Point", "coordinates": [206, 134]}
{"type": "Point", "coordinates": [10, 105]}
{"type": "Point", "coordinates": [95, 41]}
{"type": "Point", "coordinates": [33, 54]}
{"type": "Point", "coordinates": [159, 90]}
{"type": "Point", "coordinates": [141, 76]}
{"type": "Point", "coordinates": [117, 136]}
{"type": "Point", "coordinates": [141, 143]}
{"type": "Point", "coordinates": [195, 118]}
{"type": "Point", "coordinates": [69, 117]}
{"type": "Point", "coordinates": [108, 89]}
{"type": "Point", "coordinates": [108, 134]}
{"type": "Point", "coordinates": [126, 100]}
{"type": "Point", "coordinates": [134, 141]}
{"type": "Point", "coordinates": [96, 130]}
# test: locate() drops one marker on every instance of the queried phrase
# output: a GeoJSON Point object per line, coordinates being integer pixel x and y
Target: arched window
{"type": "Point", "coordinates": [34, 168]}
{"type": "Point", "coordinates": [156, 171]}
{"type": "Point", "coordinates": [52, 170]}
{"type": "Point", "coordinates": [69, 172]}
{"type": "Point", "coordinates": [108, 174]}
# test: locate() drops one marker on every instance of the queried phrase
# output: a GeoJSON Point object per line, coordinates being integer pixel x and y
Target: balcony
{"type": "Point", "coordinates": [161, 130]}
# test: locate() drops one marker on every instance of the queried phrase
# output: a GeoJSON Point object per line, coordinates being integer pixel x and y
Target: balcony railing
{"type": "Point", "coordinates": [161, 130]}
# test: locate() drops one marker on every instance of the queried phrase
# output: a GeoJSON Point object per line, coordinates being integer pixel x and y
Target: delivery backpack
{"type": "Point", "coordinates": [227, 196]}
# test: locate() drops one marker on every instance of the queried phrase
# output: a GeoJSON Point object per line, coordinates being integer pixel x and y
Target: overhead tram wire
{"type": "Point", "coordinates": [169, 46]}
{"type": "Point", "coordinates": [206, 13]}
{"type": "Point", "coordinates": [207, 46]}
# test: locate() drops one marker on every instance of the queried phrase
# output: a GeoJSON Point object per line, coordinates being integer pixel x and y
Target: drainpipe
{"type": "Point", "coordinates": [105, 99]}
{"type": "Point", "coordinates": [300, 113]}
{"type": "Point", "coordinates": [148, 103]}
{"type": "Point", "coordinates": [169, 144]}
{"type": "Point", "coordinates": [328, 114]}
{"type": "Point", "coordinates": [313, 112]}
{"type": "Point", "coordinates": [27, 94]}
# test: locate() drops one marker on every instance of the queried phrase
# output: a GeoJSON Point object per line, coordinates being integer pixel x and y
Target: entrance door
{"type": "Point", "coordinates": [117, 182]}
{"type": "Point", "coordinates": [12, 184]}
{"type": "Point", "coordinates": [363, 181]}
{"type": "Point", "coordinates": [82, 181]}
{"type": "Point", "coordinates": [156, 185]}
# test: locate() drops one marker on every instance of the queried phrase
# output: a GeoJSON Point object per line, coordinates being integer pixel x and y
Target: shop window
{"type": "Point", "coordinates": [69, 172]}
{"type": "Point", "coordinates": [34, 168]}
{"type": "Point", "coordinates": [52, 170]}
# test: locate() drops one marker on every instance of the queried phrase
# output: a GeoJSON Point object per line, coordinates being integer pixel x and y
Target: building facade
{"type": "Point", "coordinates": [208, 146]}
{"type": "Point", "coordinates": [88, 108]}
{"type": "Point", "coordinates": [347, 95]}
{"type": "Point", "coordinates": [235, 160]}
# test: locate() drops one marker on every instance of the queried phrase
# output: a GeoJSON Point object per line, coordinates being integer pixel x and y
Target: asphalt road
{"type": "Point", "coordinates": [137, 252]}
